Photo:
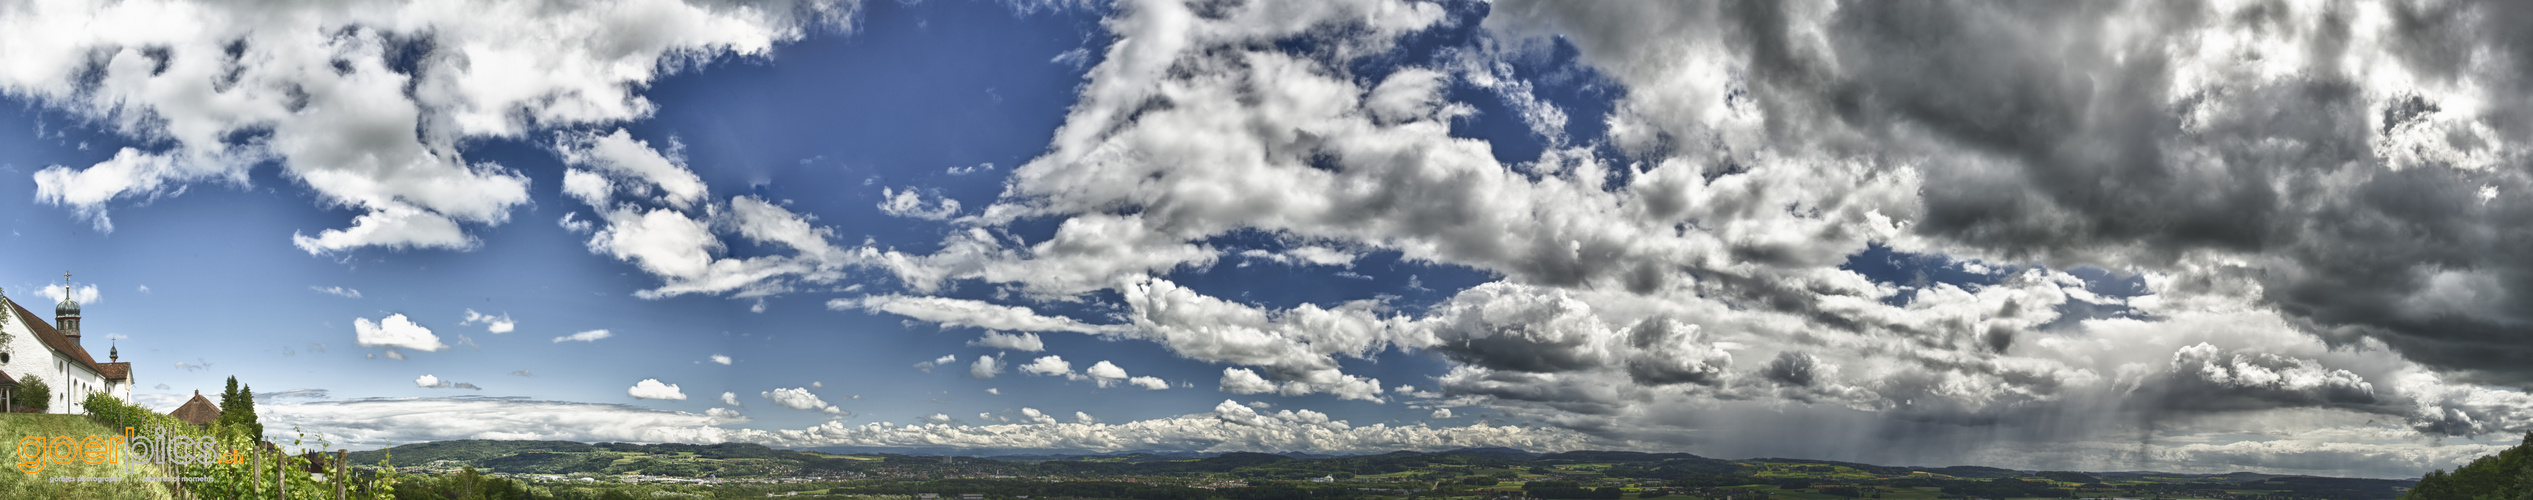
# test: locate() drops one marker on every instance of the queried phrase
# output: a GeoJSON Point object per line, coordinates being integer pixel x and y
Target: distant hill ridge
{"type": "Point", "coordinates": [1467, 466]}
{"type": "Point", "coordinates": [478, 451]}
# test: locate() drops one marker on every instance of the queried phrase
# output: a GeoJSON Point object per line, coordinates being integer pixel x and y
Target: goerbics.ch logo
{"type": "Point", "coordinates": [130, 451]}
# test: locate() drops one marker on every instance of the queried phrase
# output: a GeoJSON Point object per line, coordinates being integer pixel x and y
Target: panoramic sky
{"type": "Point", "coordinates": [2279, 237]}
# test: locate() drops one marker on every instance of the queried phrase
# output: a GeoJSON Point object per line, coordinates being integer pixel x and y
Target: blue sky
{"type": "Point", "coordinates": [821, 124]}
{"type": "Point", "coordinates": [1830, 231]}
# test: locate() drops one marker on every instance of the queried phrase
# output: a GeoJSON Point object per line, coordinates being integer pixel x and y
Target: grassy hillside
{"type": "Point", "coordinates": [17, 484]}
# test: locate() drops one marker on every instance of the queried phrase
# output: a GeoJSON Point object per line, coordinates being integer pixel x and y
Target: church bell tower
{"type": "Point", "coordinates": [66, 315]}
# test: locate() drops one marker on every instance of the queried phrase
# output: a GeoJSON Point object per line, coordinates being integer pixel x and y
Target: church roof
{"type": "Point", "coordinates": [197, 411]}
{"type": "Point", "coordinates": [7, 381]}
{"type": "Point", "coordinates": [115, 371]}
{"type": "Point", "coordinates": [45, 333]}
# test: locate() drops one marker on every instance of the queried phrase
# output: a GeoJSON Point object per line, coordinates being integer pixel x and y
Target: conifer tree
{"type": "Point", "coordinates": [246, 413]}
{"type": "Point", "coordinates": [228, 404]}
{"type": "Point", "coordinates": [237, 410]}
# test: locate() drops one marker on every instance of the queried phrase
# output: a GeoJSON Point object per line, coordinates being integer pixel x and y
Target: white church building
{"type": "Point", "coordinates": [54, 352]}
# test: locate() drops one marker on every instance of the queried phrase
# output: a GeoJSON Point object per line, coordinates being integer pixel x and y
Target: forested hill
{"type": "Point", "coordinates": [2507, 475]}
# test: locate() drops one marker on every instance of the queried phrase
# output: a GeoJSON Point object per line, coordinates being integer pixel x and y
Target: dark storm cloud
{"type": "Point", "coordinates": [2204, 378]}
{"type": "Point", "coordinates": [2457, 415]}
{"type": "Point", "coordinates": [1568, 393]}
{"type": "Point", "coordinates": [2086, 133]}
{"type": "Point", "coordinates": [1520, 351]}
{"type": "Point", "coordinates": [2290, 173]}
{"type": "Point", "coordinates": [2096, 162]}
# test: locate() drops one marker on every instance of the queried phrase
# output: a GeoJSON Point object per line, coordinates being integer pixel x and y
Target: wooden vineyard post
{"type": "Point", "coordinates": [340, 468]}
{"type": "Point", "coordinates": [281, 476]}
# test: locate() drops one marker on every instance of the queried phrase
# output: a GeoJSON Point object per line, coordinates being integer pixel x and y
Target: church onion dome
{"type": "Point", "coordinates": [68, 308]}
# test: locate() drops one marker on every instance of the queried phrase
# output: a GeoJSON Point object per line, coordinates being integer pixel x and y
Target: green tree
{"type": "Point", "coordinates": [34, 393]}
{"type": "Point", "coordinates": [228, 398]}
{"type": "Point", "coordinates": [228, 405]}
{"type": "Point", "coordinates": [246, 413]}
{"type": "Point", "coordinates": [237, 410]}
{"type": "Point", "coordinates": [114, 413]}
{"type": "Point", "coordinates": [2507, 475]}
{"type": "Point", "coordinates": [467, 484]}
{"type": "Point", "coordinates": [6, 339]}
{"type": "Point", "coordinates": [2524, 478]}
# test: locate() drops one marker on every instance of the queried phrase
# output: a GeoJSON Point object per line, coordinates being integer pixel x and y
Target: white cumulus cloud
{"type": "Point", "coordinates": [1244, 381]}
{"type": "Point", "coordinates": [653, 389]}
{"type": "Point", "coordinates": [1051, 366]}
{"type": "Point", "coordinates": [85, 294]}
{"type": "Point", "coordinates": [985, 367]}
{"type": "Point", "coordinates": [1105, 373]}
{"type": "Point", "coordinates": [395, 330]}
{"type": "Point", "coordinates": [799, 398]}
